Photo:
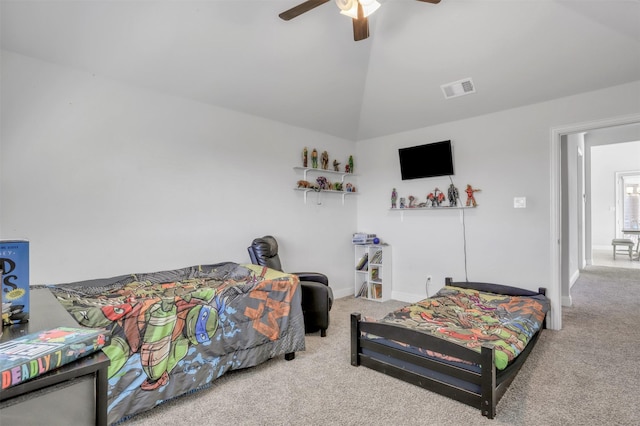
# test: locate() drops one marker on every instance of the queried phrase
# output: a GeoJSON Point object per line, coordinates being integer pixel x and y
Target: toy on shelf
{"type": "Point", "coordinates": [471, 199]}
{"type": "Point", "coordinates": [453, 195]}
{"type": "Point", "coordinates": [314, 158]}
{"type": "Point", "coordinates": [305, 157]}
{"type": "Point", "coordinates": [394, 198]}
{"type": "Point", "coordinates": [325, 160]}
{"type": "Point", "coordinates": [323, 183]}
{"type": "Point", "coordinates": [336, 166]}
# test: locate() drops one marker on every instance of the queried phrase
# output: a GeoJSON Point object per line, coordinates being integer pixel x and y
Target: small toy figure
{"type": "Point", "coordinates": [402, 202]}
{"type": "Point", "coordinates": [351, 164]}
{"type": "Point", "coordinates": [438, 197]}
{"type": "Point", "coordinates": [314, 158]}
{"type": "Point", "coordinates": [304, 184]}
{"type": "Point", "coordinates": [336, 165]}
{"type": "Point", "coordinates": [346, 168]}
{"type": "Point", "coordinates": [323, 183]}
{"type": "Point", "coordinates": [453, 195]}
{"type": "Point", "coordinates": [394, 198]}
{"type": "Point", "coordinates": [325, 160]}
{"type": "Point", "coordinates": [305, 156]}
{"type": "Point", "coordinates": [337, 186]}
{"type": "Point", "coordinates": [350, 188]}
{"type": "Point", "coordinates": [471, 200]}
{"type": "Point", "coordinates": [431, 199]}
{"type": "Point", "coordinates": [412, 201]}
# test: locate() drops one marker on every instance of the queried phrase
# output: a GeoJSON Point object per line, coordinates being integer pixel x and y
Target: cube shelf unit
{"type": "Point", "coordinates": [372, 268]}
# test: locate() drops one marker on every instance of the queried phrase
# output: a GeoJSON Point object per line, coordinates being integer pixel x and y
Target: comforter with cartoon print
{"type": "Point", "coordinates": [473, 318]}
{"type": "Point", "coordinates": [176, 331]}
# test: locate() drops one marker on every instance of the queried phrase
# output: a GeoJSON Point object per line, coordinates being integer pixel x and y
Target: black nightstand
{"type": "Point", "coordinates": [74, 394]}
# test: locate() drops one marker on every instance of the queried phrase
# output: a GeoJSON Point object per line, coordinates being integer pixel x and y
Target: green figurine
{"type": "Point", "coordinates": [351, 164]}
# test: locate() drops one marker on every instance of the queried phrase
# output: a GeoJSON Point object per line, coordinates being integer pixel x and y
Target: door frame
{"type": "Point", "coordinates": [555, 205]}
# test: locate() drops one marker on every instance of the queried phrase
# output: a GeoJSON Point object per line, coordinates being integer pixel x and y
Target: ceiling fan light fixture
{"type": "Point", "coordinates": [369, 6]}
{"type": "Point", "coordinates": [350, 7]}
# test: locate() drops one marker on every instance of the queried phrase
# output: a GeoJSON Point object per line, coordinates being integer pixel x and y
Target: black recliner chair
{"type": "Point", "coordinates": [317, 296]}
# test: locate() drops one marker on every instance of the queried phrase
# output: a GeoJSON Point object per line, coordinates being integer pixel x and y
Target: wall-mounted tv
{"type": "Point", "coordinates": [429, 160]}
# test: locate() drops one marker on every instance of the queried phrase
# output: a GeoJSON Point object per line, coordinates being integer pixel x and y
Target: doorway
{"type": "Point", "coordinates": [561, 239]}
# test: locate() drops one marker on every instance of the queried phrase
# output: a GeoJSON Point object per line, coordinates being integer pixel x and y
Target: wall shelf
{"type": "Point", "coordinates": [304, 171]}
{"type": "Point", "coordinates": [429, 208]}
{"type": "Point", "coordinates": [307, 190]}
{"type": "Point", "coordinates": [433, 208]}
{"type": "Point", "coordinates": [320, 172]}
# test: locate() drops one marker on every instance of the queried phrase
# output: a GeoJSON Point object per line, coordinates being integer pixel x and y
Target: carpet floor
{"type": "Point", "coordinates": [585, 374]}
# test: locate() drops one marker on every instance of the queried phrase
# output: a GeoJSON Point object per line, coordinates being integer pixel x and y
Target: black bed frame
{"type": "Point", "coordinates": [493, 383]}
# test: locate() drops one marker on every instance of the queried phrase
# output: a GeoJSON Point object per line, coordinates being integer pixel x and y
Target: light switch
{"type": "Point", "coordinates": [519, 202]}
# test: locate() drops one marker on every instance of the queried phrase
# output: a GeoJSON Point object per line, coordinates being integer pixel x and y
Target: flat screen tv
{"type": "Point", "coordinates": [429, 160]}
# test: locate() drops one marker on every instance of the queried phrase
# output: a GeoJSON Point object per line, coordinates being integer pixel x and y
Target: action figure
{"type": "Point", "coordinates": [336, 165]}
{"type": "Point", "coordinates": [438, 197]}
{"type": "Point", "coordinates": [325, 160]}
{"type": "Point", "coordinates": [351, 164]}
{"type": "Point", "coordinates": [305, 153]}
{"type": "Point", "coordinates": [314, 158]}
{"type": "Point", "coordinates": [453, 196]}
{"type": "Point", "coordinates": [431, 199]}
{"type": "Point", "coordinates": [394, 198]}
{"type": "Point", "coordinates": [471, 200]}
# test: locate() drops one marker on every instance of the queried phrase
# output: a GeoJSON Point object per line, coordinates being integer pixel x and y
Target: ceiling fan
{"type": "Point", "coordinates": [358, 10]}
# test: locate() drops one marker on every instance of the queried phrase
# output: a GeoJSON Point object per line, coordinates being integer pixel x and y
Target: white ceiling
{"type": "Point", "coordinates": [309, 72]}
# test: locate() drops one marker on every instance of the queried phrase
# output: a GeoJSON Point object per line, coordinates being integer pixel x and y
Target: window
{"type": "Point", "coordinates": [631, 201]}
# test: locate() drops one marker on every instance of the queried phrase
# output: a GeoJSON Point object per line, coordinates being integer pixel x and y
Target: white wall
{"type": "Point", "coordinates": [107, 179]}
{"type": "Point", "coordinates": [606, 160]}
{"type": "Point", "coordinates": [506, 154]}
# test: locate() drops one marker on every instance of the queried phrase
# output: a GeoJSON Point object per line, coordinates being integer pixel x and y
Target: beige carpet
{"type": "Point", "coordinates": [585, 374]}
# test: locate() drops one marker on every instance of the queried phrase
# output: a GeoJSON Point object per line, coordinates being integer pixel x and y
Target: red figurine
{"type": "Point", "coordinates": [471, 200]}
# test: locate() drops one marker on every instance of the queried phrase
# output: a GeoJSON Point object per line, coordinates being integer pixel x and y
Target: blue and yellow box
{"type": "Point", "coordinates": [14, 265]}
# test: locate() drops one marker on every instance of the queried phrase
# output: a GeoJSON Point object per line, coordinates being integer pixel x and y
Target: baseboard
{"type": "Point", "coordinates": [407, 297]}
{"type": "Point", "coordinates": [344, 292]}
{"type": "Point", "coordinates": [574, 278]}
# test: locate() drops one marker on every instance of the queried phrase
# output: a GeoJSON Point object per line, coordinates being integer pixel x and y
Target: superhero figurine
{"type": "Point", "coordinates": [471, 200]}
{"type": "Point", "coordinates": [453, 196]}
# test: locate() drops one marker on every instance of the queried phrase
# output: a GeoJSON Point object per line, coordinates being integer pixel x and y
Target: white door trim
{"type": "Point", "coordinates": [553, 291]}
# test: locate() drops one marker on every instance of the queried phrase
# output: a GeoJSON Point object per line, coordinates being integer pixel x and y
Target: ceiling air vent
{"type": "Point", "coordinates": [458, 88]}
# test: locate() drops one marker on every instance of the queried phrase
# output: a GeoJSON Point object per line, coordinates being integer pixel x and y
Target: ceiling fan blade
{"type": "Point", "coordinates": [431, 1]}
{"type": "Point", "coordinates": [360, 25]}
{"type": "Point", "coordinates": [301, 8]}
{"type": "Point", "coordinates": [360, 29]}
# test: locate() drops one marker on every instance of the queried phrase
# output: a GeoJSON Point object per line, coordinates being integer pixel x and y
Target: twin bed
{"type": "Point", "coordinates": [467, 342]}
{"type": "Point", "coordinates": [175, 332]}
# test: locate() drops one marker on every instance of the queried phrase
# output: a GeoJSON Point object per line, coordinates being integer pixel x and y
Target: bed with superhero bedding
{"type": "Point", "coordinates": [175, 332]}
{"type": "Point", "coordinates": [466, 342]}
